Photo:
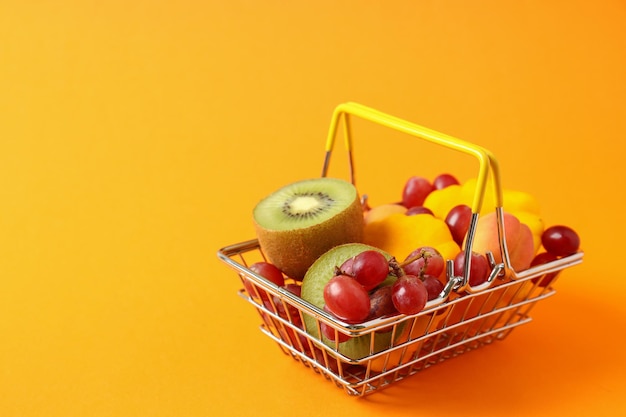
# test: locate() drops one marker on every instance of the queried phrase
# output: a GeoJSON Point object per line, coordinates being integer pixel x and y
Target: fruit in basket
{"type": "Point", "coordinates": [418, 210]}
{"type": "Point", "coordinates": [519, 239]}
{"type": "Point", "coordinates": [458, 220]}
{"type": "Point", "coordinates": [330, 332]}
{"type": "Point", "coordinates": [415, 191]}
{"type": "Point", "coordinates": [424, 261]}
{"type": "Point", "coordinates": [560, 240]}
{"type": "Point", "coordinates": [269, 271]}
{"type": "Point", "coordinates": [479, 267]}
{"type": "Point", "coordinates": [535, 223]}
{"type": "Point", "coordinates": [369, 268]}
{"type": "Point", "coordinates": [414, 328]}
{"type": "Point", "coordinates": [399, 235]}
{"type": "Point", "coordinates": [295, 289]}
{"type": "Point", "coordinates": [409, 294]}
{"type": "Point", "coordinates": [441, 201]}
{"type": "Point", "coordinates": [316, 279]}
{"type": "Point", "coordinates": [513, 200]}
{"type": "Point", "coordinates": [314, 284]}
{"type": "Point", "coordinates": [444, 180]}
{"type": "Point", "coordinates": [540, 259]}
{"type": "Point", "coordinates": [299, 222]}
{"type": "Point", "coordinates": [381, 211]}
{"type": "Point", "coordinates": [521, 204]}
{"type": "Point", "coordinates": [433, 285]}
{"type": "Point", "coordinates": [347, 299]}
{"type": "Point", "coordinates": [381, 304]}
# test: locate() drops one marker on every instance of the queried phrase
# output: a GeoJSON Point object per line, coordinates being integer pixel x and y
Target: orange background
{"type": "Point", "coordinates": [136, 136]}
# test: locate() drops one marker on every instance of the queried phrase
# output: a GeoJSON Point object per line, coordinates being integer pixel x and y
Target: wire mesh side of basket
{"type": "Point", "coordinates": [392, 348]}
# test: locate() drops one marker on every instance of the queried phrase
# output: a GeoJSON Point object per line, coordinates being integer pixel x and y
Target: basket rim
{"type": "Point", "coordinates": [228, 253]}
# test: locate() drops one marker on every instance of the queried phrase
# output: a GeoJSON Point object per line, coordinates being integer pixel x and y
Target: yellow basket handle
{"type": "Point", "coordinates": [486, 160]}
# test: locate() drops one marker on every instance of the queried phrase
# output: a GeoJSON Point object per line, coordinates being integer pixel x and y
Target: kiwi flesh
{"type": "Point", "coordinates": [299, 222]}
{"type": "Point", "coordinates": [317, 276]}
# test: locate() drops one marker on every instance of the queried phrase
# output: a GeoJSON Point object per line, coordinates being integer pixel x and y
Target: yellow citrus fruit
{"type": "Point", "coordinates": [399, 234]}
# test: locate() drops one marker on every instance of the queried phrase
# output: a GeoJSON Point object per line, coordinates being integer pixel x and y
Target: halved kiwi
{"type": "Point", "coordinates": [360, 347]}
{"type": "Point", "coordinates": [322, 270]}
{"type": "Point", "coordinates": [299, 222]}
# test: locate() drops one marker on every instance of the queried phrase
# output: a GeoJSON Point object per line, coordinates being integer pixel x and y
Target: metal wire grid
{"type": "Point", "coordinates": [463, 323]}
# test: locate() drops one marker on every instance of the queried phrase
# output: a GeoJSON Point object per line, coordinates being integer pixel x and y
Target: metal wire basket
{"type": "Point", "coordinates": [461, 319]}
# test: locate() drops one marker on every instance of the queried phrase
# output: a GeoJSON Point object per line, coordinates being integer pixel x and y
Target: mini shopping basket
{"type": "Point", "coordinates": [461, 319]}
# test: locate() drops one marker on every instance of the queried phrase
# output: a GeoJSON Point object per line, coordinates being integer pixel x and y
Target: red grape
{"type": "Point", "coordinates": [251, 289]}
{"type": "Point", "coordinates": [560, 240]}
{"type": "Point", "coordinates": [347, 299]}
{"type": "Point", "coordinates": [458, 221]}
{"type": "Point", "coordinates": [409, 294]}
{"type": "Point", "coordinates": [290, 313]}
{"type": "Point", "coordinates": [330, 333]}
{"type": "Point", "coordinates": [433, 285]}
{"type": "Point", "coordinates": [430, 262]}
{"type": "Point", "coordinates": [294, 289]}
{"type": "Point", "coordinates": [298, 341]}
{"type": "Point", "coordinates": [444, 180]}
{"type": "Point", "coordinates": [279, 308]}
{"type": "Point", "coordinates": [381, 304]}
{"type": "Point", "coordinates": [269, 271]}
{"type": "Point", "coordinates": [540, 259]}
{"type": "Point", "coordinates": [346, 267]}
{"type": "Point", "coordinates": [418, 210]}
{"type": "Point", "coordinates": [370, 268]}
{"type": "Point", "coordinates": [415, 191]}
{"type": "Point", "coordinates": [479, 268]}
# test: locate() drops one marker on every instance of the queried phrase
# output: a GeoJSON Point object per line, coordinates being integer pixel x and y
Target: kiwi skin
{"type": "Point", "coordinates": [294, 251]}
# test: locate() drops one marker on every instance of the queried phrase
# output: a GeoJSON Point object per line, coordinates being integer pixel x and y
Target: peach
{"type": "Point", "coordinates": [536, 224]}
{"type": "Point", "coordinates": [378, 213]}
{"type": "Point", "coordinates": [519, 239]}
